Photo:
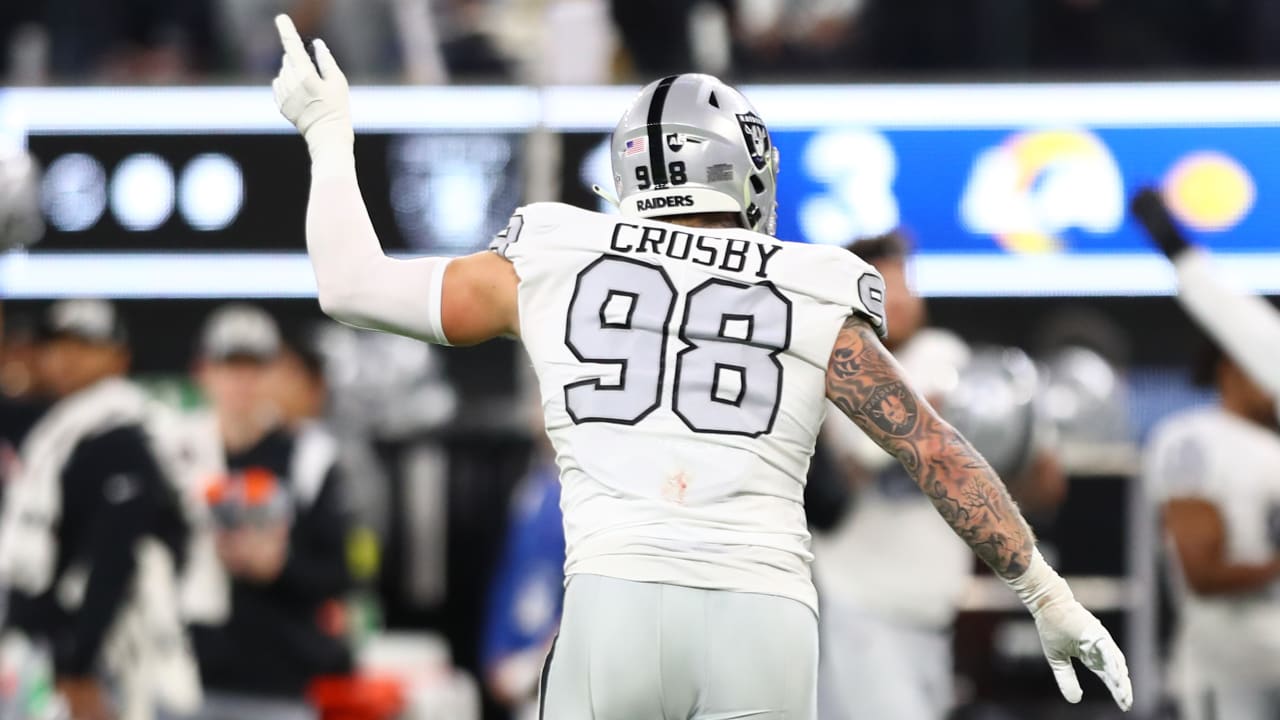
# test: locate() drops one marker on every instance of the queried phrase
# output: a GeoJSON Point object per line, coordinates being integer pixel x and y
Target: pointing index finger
{"type": "Point", "coordinates": [289, 37]}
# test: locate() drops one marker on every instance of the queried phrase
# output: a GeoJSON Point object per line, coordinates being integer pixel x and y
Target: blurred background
{"type": "Point", "coordinates": [143, 163]}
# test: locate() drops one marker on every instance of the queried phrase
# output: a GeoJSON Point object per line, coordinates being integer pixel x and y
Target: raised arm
{"type": "Point", "coordinates": [447, 301]}
{"type": "Point", "coordinates": [1246, 326]}
{"type": "Point", "coordinates": [868, 386]}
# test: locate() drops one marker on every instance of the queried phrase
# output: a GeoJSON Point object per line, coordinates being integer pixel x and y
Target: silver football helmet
{"type": "Point", "coordinates": [995, 403]}
{"type": "Point", "coordinates": [691, 144]}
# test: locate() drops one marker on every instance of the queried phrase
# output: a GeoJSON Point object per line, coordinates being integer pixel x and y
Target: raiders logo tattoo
{"type": "Point", "coordinates": [892, 408]}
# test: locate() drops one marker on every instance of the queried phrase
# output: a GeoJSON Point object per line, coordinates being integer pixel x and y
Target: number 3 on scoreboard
{"type": "Point", "coordinates": [727, 379]}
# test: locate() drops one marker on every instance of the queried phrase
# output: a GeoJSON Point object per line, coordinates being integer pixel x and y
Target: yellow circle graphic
{"type": "Point", "coordinates": [1208, 190]}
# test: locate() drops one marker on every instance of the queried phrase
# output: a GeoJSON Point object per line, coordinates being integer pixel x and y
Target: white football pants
{"type": "Point", "coordinates": [648, 651]}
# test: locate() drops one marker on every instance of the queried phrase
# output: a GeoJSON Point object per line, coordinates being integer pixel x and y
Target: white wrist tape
{"type": "Point", "coordinates": [1040, 586]}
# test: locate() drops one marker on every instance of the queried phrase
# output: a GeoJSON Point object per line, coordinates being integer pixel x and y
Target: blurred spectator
{"type": "Point", "coordinates": [281, 532]}
{"type": "Point", "coordinates": [90, 492]}
{"type": "Point", "coordinates": [150, 41]}
{"type": "Point", "coordinates": [526, 598]}
{"type": "Point", "coordinates": [778, 37]}
{"type": "Point", "coordinates": [531, 33]}
{"type": "Point", "coordinates": [365, 46]}
{"type": "Point", "coordinates": [299, 385]}
{"type": "Point", "coordinates": [302, 394]}
{"type": "Point", "coordinates": [656, 34]}
{"type": "Point", "coordinates": [465, 40]}
{"type": "Point", "coordinates": [892, 574]}
{"type": "Point", "coordinates": [1214, 470]}
{"type": "Point", "coordinates": [20, 401]}
{"type": "Point", "coordinates": [24, 42]}
{"type": "Point", "coordinates": [430, 42]}
{"type": "Point", "coordinates": [413, 40]}
{"type": "Point", "coordinates": [930, 35]}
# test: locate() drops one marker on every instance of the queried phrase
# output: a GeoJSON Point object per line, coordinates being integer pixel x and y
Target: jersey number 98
{"type": "Point", "coordinates": [727, 379]}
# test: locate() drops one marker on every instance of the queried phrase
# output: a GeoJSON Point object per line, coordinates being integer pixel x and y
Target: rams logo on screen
{"type": "Point", "coordinates": [658, 203]}
{"type": "Point", "coordinates": [1031, 188]}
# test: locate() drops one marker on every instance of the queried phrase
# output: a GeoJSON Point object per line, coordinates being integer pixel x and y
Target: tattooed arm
{"type": "Point", "coordinates": [867, 384]}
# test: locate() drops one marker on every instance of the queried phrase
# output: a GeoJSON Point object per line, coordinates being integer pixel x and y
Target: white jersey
{"type": "Point", "coordinates": [893, 555]}
{"type": "Point", "coordinates": [1212, 455]}
{"type": "Point", "coordinates": [683, 381]}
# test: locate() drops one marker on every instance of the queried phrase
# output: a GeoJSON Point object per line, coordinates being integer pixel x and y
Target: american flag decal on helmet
{"type": "Point", "coordinates": [635, 147]}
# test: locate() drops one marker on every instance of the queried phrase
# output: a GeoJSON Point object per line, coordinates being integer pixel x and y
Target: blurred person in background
{"type": "Point", "coordinates": [891, 574]}
{"type": "Point", "coordinates": [299, 386]}
{"type": "Point", "coordinates": [21, 224]}
{"type": "Point", "coordinates": [281, 530]}
{"type": "Point", "coordinates": [23, 44]}
{"type": "Point", "coordinates": [18, 355]}
{"type": "Point", "coordinates": [21, 403]}
{"type": "Point", "coordinates": [777, 37]}
{"type": "Point", "coordinates": [91, 489]}
{"type": "Point", "coordinates": [149, 41]}
{"type": "Point", "coordinates": [656, 34]}
{"type": "Point", "coordinates": [527, 595]}
{"type": "Point", "coordinates": [301, 392]}
{"type": "Point", "coordinates": [1216, 473]}
{"type": "Point", "coordinates": [414, 40]}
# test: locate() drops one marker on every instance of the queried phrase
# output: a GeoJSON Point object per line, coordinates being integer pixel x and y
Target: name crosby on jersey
{"type": "Point", "coordinates": [728, 254]}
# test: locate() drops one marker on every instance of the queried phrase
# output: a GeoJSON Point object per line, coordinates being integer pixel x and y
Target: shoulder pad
{"type": "Point", "coordinates": [508, 235]}
{"type": "Point", "coordinates": [535, 217]}
{"type": "Point", "coordinates": [867, 300]}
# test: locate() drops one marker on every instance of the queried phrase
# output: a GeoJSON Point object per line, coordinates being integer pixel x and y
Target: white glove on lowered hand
{"type": "Point", "coordinates": [316, 101]}
{"type": "Point", "coordinates": [1067, 630]}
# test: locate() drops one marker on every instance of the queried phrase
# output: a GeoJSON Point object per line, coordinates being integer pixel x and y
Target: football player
{"type": "Point", "coordinates": [684, 357]}
{"type": "Point", "coordinates": [1214, 472]}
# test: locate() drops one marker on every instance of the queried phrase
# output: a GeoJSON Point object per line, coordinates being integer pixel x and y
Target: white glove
{"type": "Point", "coordinates": [317, 102]}
{"type": "Point", "coordinates": [1067, 630]}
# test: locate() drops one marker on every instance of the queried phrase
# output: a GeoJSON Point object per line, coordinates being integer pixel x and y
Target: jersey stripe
{"type": "Point", "coordinates": [542, 684]}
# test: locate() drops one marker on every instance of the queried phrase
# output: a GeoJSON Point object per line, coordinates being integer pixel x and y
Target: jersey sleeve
{"type": "Point", "coordinates": [1178, 465]}
{"type": "Point", "coordinates": [866, 300]}
{"type": "Point", "coordinates": [504, 242]}
{"type": "Point", "coordinates": [131, 497]}
{"type": "Point", "coordinates": [530, 226]}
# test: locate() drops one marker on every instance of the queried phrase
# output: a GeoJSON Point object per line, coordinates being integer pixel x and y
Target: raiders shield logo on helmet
{"type": "Point", "coordinates": [757, 137]}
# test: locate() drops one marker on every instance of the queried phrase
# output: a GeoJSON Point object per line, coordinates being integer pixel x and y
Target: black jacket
{"type": "Point", "coordinates": [273, 643]}
{"type": "Point", "coordinates": [113, 494]}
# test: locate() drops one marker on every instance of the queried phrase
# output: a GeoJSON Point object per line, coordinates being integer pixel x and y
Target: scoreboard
{"type": "Point", "coordinates": [1007, 190]}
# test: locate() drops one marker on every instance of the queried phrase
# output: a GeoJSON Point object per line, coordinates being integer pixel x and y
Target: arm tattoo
{"type": "Point", "coordinates": [866, 383]}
